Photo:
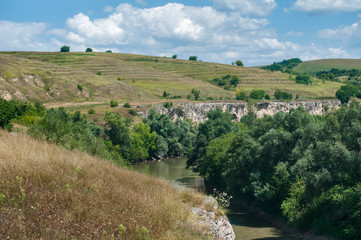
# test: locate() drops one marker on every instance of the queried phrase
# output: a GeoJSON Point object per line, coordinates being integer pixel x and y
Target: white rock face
{"type": "Point", "coordinates": [197, 112]}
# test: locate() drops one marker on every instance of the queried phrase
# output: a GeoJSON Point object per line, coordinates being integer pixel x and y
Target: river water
{"type": "Point", "coordinates": [246, 225]}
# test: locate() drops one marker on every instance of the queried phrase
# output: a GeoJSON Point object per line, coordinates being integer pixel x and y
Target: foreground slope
{"type": "Point", "coordinates": [49, 193]}
{"type": "Point", "coordinates": [99, 77]}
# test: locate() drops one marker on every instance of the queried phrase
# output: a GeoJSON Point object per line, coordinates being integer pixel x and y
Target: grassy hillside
{"type": "Point", "coordinates": [314, 66]}
{"type": "Point", "coordinates": [49, 193]}
{"type": "Point", "coordinates": [99, 77]}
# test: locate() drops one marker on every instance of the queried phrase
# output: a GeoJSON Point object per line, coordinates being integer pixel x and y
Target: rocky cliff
{"type": "Point", "coordinates": [197, 112]}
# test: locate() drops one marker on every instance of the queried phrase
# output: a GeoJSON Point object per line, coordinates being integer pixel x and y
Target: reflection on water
{"type": "Point", "coordinates": [246, 225]}
{"type": "Point", "coordinates": [173, 169]}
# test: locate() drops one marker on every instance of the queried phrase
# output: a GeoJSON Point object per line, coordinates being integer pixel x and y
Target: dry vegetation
{"type": "Point", "coordinates": [49, 193]}
{"type": "Point", "coordinates": [100, 77]}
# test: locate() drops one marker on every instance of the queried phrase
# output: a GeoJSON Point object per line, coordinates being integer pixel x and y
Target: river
{"type": "Point", "coordinates": [246, 225]}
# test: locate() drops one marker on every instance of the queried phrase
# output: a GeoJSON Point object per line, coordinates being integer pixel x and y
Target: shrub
{"type": "Point", "coordinates": [99, 73]}
{"type": "Point", "coordinates": [267, 97]}
{"type": "Point", "coordinates": [257, 94]}
{"type": "Point", "coordinates": [239, 63]}
{"type": "Point", "coordinates": [91, 111]}
{"type": "Point", "coordinates": [113, 103]}
{"type": "Point", "coordinates": [132, 112]}
{"type": "Point", "coordinates": [241, 95]}
{"type": "Point", "coordinates": [193, 58]}
{"type": "Point", "coordinates": [165, 94]}
{"type": "Point", "coordinates": [168, 104]}
{"type": "Point", "coordinates": [279, 95]}
{"type": "Point", "coordinates": [80, 87]}
{"type": "Point", "coordinates": [303, 79]}
{"type": "Point", "coordinates": [195, 93]}
{"type": "Point", "coordinates": [127, 105]}
{"type": "Point", "coordinates": [65, 49]}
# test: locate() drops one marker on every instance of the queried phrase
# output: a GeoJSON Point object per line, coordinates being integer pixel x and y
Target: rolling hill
{"type": "Point", "coordinates": [311, 67]}
{"type": "Point", "coordinates": [52, 77]}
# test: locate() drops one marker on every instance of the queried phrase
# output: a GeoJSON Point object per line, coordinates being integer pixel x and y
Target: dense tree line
{"type": "Point", "coordinates": [304, 168]}
{"type": "Point", "coordinates": [118, 139]}
{"type": "Point", "coordinates": [334, 73]}
{"type": "Point", "coordinates": [284, 66]}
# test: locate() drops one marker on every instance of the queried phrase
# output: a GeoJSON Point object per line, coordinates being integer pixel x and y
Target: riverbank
{"type": "Point", "coordinates": [48, 192]}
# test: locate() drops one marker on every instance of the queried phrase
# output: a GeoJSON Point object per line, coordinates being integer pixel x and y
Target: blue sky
{"type": "Point", "coordinates": [256, 31]}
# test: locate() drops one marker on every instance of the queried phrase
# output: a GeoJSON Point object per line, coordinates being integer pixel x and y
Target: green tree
{"type": "Point", "coordinates": [279, 95]}
{"type": "Point", "coordinates": [193, 58]}
{"type": "Point", "coordinates": [234, 80]}
{"type": "Point", "coordinates": [174, 56]}
{"type": "Point", "coordinates": [65, 49]}
{"type": "Point", "coordinates": [239, 63]}
{"type": "Point", "coordinates": [241, 95]}
{"type": "Point", "coordinates": [117, 130]}
{"type": "Point", "coordinates": [142, 142]}
{"type": "Point", "coordinates": [89, 50]}
{"type": "Point", "coordinates": [257, 94]}
{"type": "Point", "coordinates": [195, 93]}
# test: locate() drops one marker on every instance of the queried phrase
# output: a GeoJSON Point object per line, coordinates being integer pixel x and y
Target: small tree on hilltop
{"type": "Point", "coordinates": [89, 50]}
{"type": "Point", "coordinates": [239, 63]}
{"type": "Point", "coordinates": [65, 49]}
{"type": "Point", "coordinates": [193, 58]}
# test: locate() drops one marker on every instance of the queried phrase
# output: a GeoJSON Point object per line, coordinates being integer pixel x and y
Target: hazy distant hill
{"type": "Point", "coordinates": [314, 66]}
{"type": "Point", "coordinates": [70, 77]}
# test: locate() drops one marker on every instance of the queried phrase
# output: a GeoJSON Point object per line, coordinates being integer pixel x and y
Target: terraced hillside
{"type": "Point", "coordinates": [314, 66]}
{"type": "Point", "coordinates": [99, 77]}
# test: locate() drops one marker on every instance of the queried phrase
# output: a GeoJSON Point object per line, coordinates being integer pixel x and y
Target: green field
{"type": "Point", "coordinates": [53, 78]}
{"type": "Point", "coordinates": [314, 66]}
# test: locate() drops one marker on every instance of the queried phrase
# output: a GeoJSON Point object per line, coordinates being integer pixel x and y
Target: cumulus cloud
{"type": "Point", "coordinates": [327, 6]}
{"type": "Point", "coordinates": [349, 35]}
{"type": "Point", "coordinates": [22, 36]}
{"type": "Point", "coordinates": [175, 29]}
{"type": "Point", "coordinates": [246, 7]}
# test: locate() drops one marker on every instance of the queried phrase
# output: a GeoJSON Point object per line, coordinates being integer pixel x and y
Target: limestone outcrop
{"type": "Point", "coordinates": [197, 112]}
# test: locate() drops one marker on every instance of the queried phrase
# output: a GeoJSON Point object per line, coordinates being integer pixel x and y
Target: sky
{"type": "Point", "coordinates": [258, 32]}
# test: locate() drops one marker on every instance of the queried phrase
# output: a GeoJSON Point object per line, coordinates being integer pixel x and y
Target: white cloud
{"type": "Point", "coordinates": [175, 29]}
{"type": "Point", "coordinates": [108, 9]}
{"type": "Point", "coordinates": [349, 35]}
{"type": "Point", "coordinates": [295, 34]}
{"type": "Point", "coordinates": [247, 7]}
{"type": "Point", "coordinates": [327, 6]}
{"type": "Point", "coordinates": [22, 36]}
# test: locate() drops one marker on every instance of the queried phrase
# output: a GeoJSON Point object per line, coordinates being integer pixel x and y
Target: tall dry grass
{"type": "Point", "coordinates": [50, 193]}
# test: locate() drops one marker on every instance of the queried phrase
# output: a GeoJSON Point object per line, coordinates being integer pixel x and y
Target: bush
{"type": "Point", "coordinates": [89, 50]}
{"type": "Point", "coordinates": [267, 97]}
{"type": "Point", "coordinates": [241, 95]}
{"type": "Point", "coordinates": [99, 73]}
{"type": "Point", "coordinates": [127, 105]}
{"type": "Point", "coordinates": [279, 95]}
{"type": "Point", "coordinates": [113, 103]}
{"type": "Point", "coordinates": [80, 87]}
{"type": "Point", "coordinates": [174, 56]}
{"type": "Point", "coordinates": [168, 104]}
{"type": "Point", "coordinates": [239, 63]}
{"type": "Point", "coordinates": [195, 93]}
{"type": "Point", "coordinates": [193, 58]}
{"type": "Point", "coordinates": [303, 79]}
{"type": "Point", "coordinates": [257, 94]}
{"type": "Point", "coordinates": [65, 49]}
{"type": "Point", "coordinates": [132, 112]}
{"type": "Point", "coordinates": [91, 111]}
